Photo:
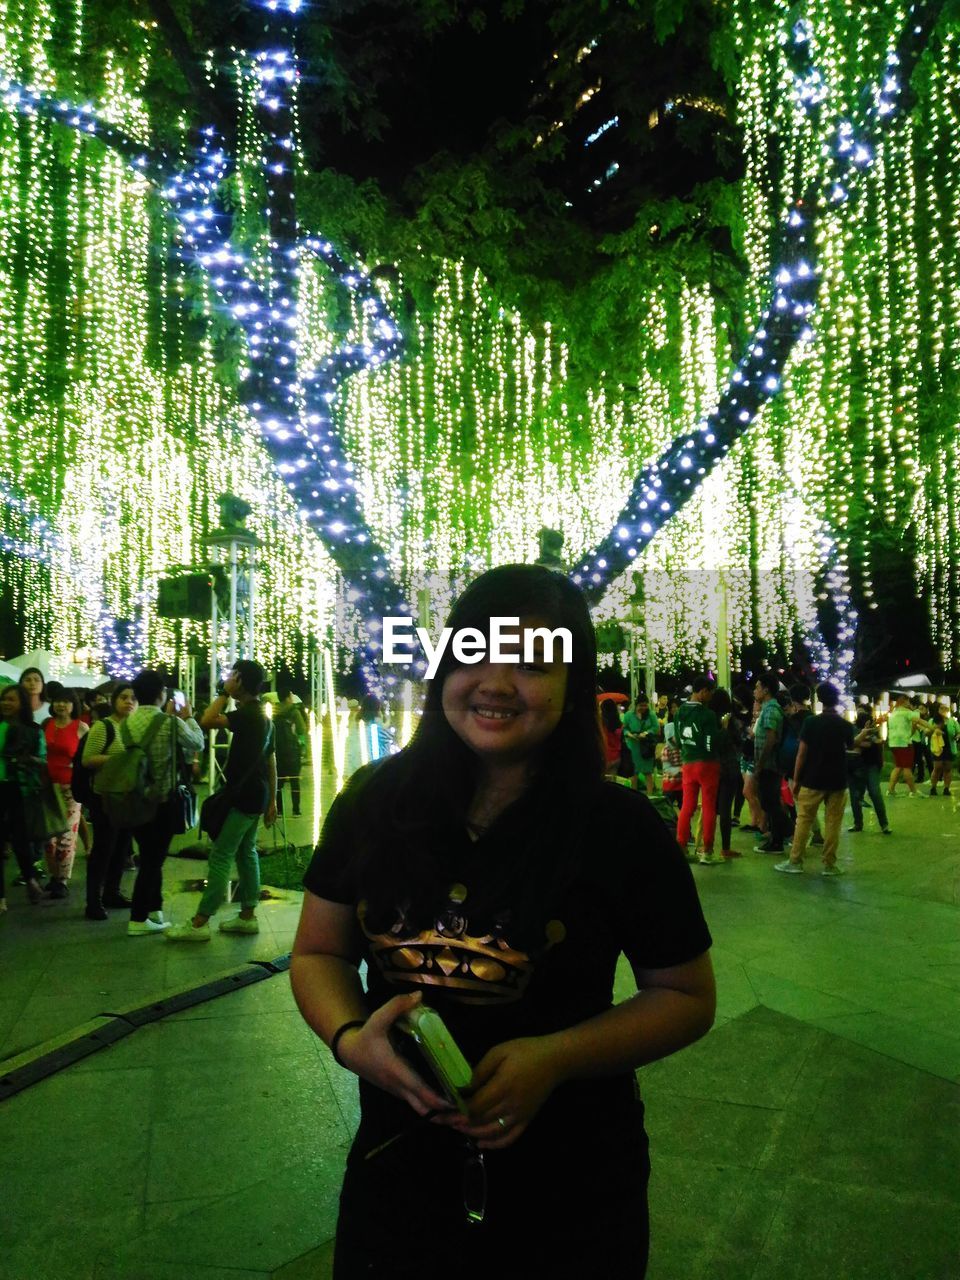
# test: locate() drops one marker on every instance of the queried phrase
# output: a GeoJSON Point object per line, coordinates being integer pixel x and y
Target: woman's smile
{"type": "Point", "coordinates": [505, 710]}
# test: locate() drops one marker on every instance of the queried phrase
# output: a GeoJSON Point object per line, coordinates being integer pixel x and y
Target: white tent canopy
{"type": "Point", "coordinates": [55, 666]}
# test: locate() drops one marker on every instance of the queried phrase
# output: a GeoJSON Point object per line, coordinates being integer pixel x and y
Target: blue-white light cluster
{"type": "Point", "coordinates": [294, 408]}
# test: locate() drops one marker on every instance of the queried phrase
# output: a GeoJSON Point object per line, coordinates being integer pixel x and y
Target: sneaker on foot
{"type": "Point", "coordinates": [766, 847]}
{"type": "Point", "coordinates": [850, 829]}
{"type": "Point", "coordinates": [94, 911]}
{"type": "Point", "coordinates": [157, 918]}
{"type": "Point", "coordinates": [789, 868]}
{"type": "Point", "coordinates": [831, 871]}
{"type": "Point", "coordinates": [140, 928]}
{"type": "Point", "coordinates": [237, 924]}
{"type": "Point", "coordinates": [730, 853]}
{"type": "Point", "coordinates": [816, 838]}
{"type": "Point", "coordinates": [885, 831]}
{"type": "Point", "coordinates": [58, 889]}
{"type": "Point", "coordinates": [188, 932]}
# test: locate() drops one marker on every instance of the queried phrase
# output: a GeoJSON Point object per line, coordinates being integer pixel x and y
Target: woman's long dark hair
{"type": "Point", "coordinates": [610, 716]}
{"type": "Point", "coordinates": [25, 714]}
{"type": "Point", "coordinates": [414, 800]}
{"type": "Point", "coordinates": [35, 671]}
{"type": "Point", "coordinates": [721, 703]}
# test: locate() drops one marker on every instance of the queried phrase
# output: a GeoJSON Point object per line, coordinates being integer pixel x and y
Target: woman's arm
{"type": "Point", "coordinates": [673, 1008]}
{"type": "Point", "coordinates": [327, 988]}
{"type": "Point", "coordinates": [93, 749]}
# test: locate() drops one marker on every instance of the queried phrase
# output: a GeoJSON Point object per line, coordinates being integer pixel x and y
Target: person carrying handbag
{"type": "Point", "coordinates": [22, 758]}
{"type": "Point", "coordinates": [249, 793]}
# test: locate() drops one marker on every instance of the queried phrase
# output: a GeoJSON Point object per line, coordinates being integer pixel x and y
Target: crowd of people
{"type": "Point", "coordinates": [116, 775]}
{"type": "Point", "coordinates": [762, 752]}
{"type": "Point", "coordinates": [490, 869]}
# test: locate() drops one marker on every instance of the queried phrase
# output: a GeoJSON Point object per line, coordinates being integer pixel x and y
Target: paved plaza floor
{"type": "Point", "coordinates": [814, 1133]}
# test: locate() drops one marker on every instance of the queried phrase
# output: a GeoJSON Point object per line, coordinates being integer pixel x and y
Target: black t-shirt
{"type": "Point", "coordinates": [524, 942]}
{"type": "Point", "coordinates": [499, 962]}
{"type": "Point", "coordinates": [828, 737]}
{"type": "Point", "coordinates": [246, 771]}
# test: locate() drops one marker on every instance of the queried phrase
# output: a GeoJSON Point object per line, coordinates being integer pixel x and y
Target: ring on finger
{"type": "Point", "coordinates": [501, 1122]}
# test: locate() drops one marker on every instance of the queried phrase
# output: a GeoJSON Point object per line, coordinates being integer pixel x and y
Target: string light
{"type": "Point", "coordinates": [456, 457]}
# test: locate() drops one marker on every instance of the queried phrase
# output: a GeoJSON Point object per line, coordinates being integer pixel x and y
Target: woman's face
{"type": "Point", "coordinates": [32, 682]}
{"type": "Point", "coordinates": [9, 704]}
{"type": "Point", "coordinates": [505, 711]}
{"type": "Point", "coordinates": [61, 708]}
{"type": "Point", "coordinates": [126, 703]}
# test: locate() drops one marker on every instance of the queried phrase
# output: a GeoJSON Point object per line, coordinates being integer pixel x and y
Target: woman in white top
{"type": "Point", "coordinates": [33, 683]}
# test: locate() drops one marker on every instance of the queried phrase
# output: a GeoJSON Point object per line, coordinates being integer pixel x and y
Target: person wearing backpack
{"type": "Point", "coordinates": [767, 735]}
{"type": "Point", "coordinates": [251, 785]}
{"type": "Point", "coordinates": [696, 729]}
{"type": "Point", "coordinates": [111, 845]}
{"type": "Point", "coordinates": [151, 738]}
{"type": "Point", "coordinates": [796, 714]}
{"type": "Point", "coordinates": [943, 748]}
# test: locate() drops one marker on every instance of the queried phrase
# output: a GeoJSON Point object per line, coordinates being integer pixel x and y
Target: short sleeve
{"type": "Point", "coordinates": [332, 870]}
{"type": "Point", "coordinates": [95, 742]}
{"type": "Point", "coordinates": [655, 896]}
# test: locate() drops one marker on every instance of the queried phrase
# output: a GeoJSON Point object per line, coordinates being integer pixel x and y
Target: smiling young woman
{"type": "Point", "coordinates": [489, 871]}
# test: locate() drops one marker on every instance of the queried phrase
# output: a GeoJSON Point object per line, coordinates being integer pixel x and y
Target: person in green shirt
{"type": "Point", "coordinates": [697, 729]}
{"type": "Point", "coordinates": [641, 729]}
{"type": "Point", "coordinates": [902, 723]}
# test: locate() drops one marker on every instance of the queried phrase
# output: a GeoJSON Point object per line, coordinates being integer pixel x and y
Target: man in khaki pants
{"type": "Point", "coordinates": [820, 777]}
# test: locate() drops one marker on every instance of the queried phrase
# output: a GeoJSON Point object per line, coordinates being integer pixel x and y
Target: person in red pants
{"type": "Point", "coordinates": [697, 733]}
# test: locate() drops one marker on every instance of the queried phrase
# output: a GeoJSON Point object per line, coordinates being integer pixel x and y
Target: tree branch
{"type": "Point", "coordinates": [188, 63]}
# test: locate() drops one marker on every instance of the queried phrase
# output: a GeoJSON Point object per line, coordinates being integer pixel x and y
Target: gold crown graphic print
{"type": "Point", "coordinates": [474, 969]}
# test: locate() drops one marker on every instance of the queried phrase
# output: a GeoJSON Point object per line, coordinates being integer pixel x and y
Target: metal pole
{"type": "Point", "coordinates": [723, 635]}
{"type": "Point", "coordinates": [232, 636]}
{"type": "Point", "coordinates": [649, 674]}
{"type": "Point", "coordinates": [214, 637]}
{"type": "Point", "coordinates": [251, 603]}
{"type": "Point", "coordinates": [190, 678]}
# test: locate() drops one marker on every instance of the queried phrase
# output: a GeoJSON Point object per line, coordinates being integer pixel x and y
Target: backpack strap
{"type": "Point", "coordinates": [110, 731]}
{"type": "Point", "coordinates": [248, 774]}
{"type": "Point", "coordinates": [152, 730]}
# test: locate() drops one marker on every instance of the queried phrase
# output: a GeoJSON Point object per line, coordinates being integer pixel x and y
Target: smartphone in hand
{"type": "Point", "coordinates": [440, 1051]}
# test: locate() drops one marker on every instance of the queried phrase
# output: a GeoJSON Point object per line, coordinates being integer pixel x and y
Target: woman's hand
{"type": "Point", "coordinates": [510, 1085]}
{"type": "Point", "coordinates": [369, 1052]}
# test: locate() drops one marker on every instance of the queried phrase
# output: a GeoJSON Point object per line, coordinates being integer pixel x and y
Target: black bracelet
{"type": "Point", "coordinates": [340, 1031]}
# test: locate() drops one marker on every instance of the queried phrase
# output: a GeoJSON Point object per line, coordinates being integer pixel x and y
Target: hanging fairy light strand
{"type": "Point", "coordinates": [669, 483]}
{"type": "Point", "coordinates": [295, 410]}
